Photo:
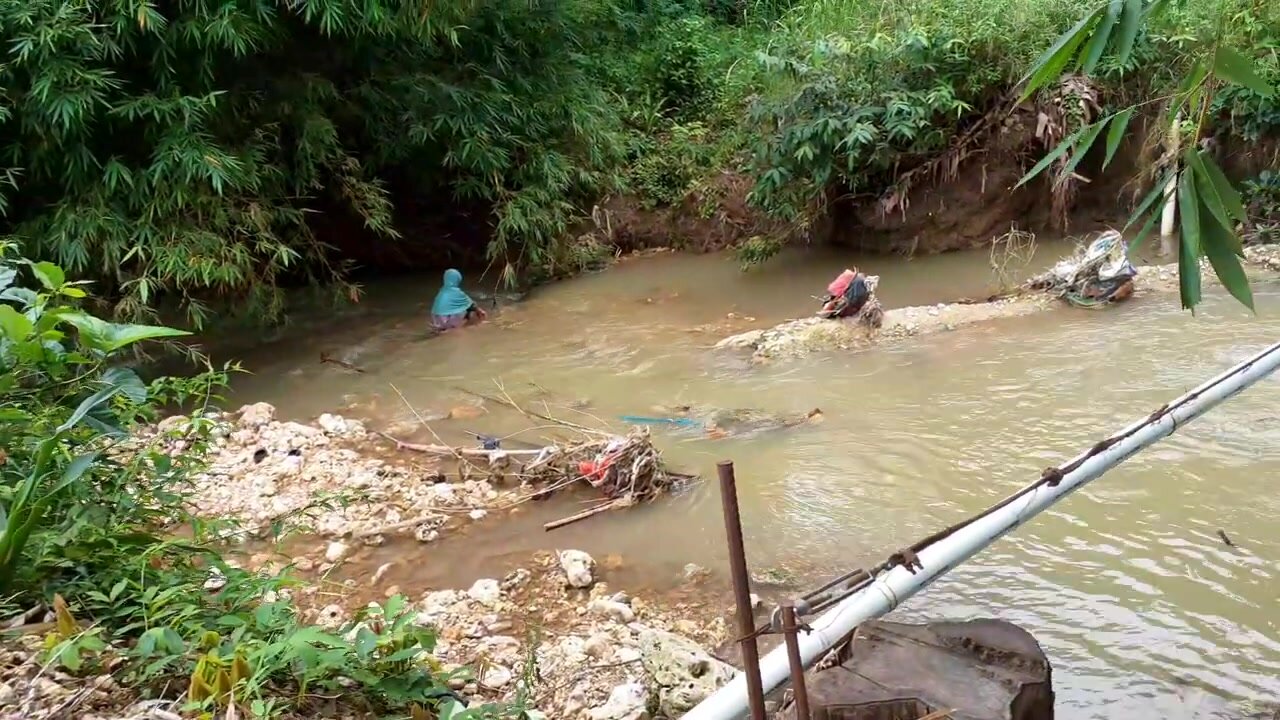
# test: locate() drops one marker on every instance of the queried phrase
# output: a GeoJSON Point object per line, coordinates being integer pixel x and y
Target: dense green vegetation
{"type": "Point", "coordinates": [198, 154]}
{"type": "Point", "coordinates": [87, 511]}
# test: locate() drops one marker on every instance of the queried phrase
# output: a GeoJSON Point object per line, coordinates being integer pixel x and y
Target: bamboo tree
{"type": "Point", "coordinates": [1209, 206]}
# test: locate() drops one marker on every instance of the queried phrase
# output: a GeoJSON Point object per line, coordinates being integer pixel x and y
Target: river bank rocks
{"type": "Point", "coordinates": [581, 654]}
{"type": "Point", "coordinates": [798, 338]}
{"type": "Point", "coordinates": [263, 472]}
{"type": "Point", "coordinates": [577, 653]}
{"type": "Point", "coordinates": [555, 632]}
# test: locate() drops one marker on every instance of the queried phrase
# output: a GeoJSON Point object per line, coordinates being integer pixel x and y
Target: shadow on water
{"type": "Point", "coordinates": [1142, 608]}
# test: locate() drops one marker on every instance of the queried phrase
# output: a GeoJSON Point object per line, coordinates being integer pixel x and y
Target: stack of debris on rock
{"type": "Point", "coordinates": [622, 467]}
{"type": "Point", "coordinates": [625, 469]}
{"type": "Point", "coordinates": [1096, 275]}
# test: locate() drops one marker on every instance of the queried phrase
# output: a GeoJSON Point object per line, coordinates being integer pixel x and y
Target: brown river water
{"type": "Point", "coordinates": [1143, 610]}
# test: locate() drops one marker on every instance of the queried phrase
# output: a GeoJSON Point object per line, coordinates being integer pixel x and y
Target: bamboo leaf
{"type": "Point", "coordinates": [1130, 22]}
{"type": "Point", "coordinates": [1156, 9]}
{"type": "Point", "coordinates": [1219, 246]}
{"type": "Point", "coordinates": [1191, 81]}
{"type": "Point", "coordinates": [1189, 249]}
{"type": "Point", "coordinates": [1222, 189]}
{"type": "Point", "coordinates": [1210, 201]}
{"type": "Point", "coordinates": [1119, 123]}
{"type": "Point", "coordinates": [1145, 230]}
{"type": "Point", "coordinates": [1156, 192]}
{"type": "Point", "coordinates": [1101, 37]}
{"type": "Point", "coordinates": [1050, 63]}
{"type": "Point", "coordinates": [1082, 148]}
{"type": "Point", "coordinates": [1235, 68]}
{"type": "Point", "coordinates": [1053, 154]}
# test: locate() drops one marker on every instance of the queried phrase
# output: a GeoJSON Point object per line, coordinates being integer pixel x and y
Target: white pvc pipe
{"type": "Point", "coordinates": [1168, 218]}
{"type": "Point", "coordinates": [898, 584]}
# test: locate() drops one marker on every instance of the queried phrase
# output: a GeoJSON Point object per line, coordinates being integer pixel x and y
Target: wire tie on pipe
{"type": "Point", "coordinates": [1051, 476]}
{"type": "Point", "coordinates": [907, 558]}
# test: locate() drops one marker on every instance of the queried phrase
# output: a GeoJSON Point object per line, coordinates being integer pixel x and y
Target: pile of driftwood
{"type": "Point", "coordinates": [625, 469]}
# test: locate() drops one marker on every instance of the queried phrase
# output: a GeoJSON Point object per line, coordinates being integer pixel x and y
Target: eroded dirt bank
{"type": "Point", "coordinates": [797, 338]}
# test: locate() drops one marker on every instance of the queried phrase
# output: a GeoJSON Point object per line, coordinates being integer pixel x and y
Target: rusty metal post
{"type": "Point", "coordinates": [789, 630]}
{"type": "Point", "coordinates": [741, 588]}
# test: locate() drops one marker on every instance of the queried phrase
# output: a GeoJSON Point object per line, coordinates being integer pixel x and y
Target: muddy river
{"type": "Point", "coordinates": [1144, 611]}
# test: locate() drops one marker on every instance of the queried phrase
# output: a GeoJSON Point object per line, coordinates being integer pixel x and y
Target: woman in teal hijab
{"type": "Point", "coordinates": [452, 307]}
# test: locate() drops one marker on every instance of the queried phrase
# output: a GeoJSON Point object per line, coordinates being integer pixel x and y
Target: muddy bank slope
{"type": "Point", "coordinates": [797, 338]}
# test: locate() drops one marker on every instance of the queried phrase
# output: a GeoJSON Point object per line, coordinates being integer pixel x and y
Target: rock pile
{"type": "Point", "coordinates": [262, 471]}
{"type": "Point", "coordinates": [580, 650]}
{"type": "Point", "coordinates": [797, 338]}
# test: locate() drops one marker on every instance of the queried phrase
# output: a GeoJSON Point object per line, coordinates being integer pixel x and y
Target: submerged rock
{"type": "Point", "coordinates": [256, 415]}
{"type": "Point", "coordinates": [338, 425]}
{"type": "Point", "coordinates": [336, 551]}
{"type": "Point", "coordinates": [485, 591]}
{"type": "Point", "coordinates": [577, 567]}
{"type": "Point", "coordinates": [797, 338]}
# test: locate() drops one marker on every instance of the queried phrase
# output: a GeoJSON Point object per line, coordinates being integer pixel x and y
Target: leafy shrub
{"type": "Point", "coordinates": [1262, 202]}
{"type": "Point", "coordinates": [852, 115]}
{"type": "Point", "coordinates": [664, 175]}
{"type": "Point", "coordinates": [681, 61]}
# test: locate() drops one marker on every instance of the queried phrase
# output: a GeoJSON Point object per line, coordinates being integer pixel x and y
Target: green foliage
{"type": "Point", "coordinates": [678, 158]}
{"type": "Point", "coordinates": [855, 114]}
{"type": "Point", "coordinates": [1262, 204]}
{"type": "Point", "coordinates": [86, 512]}
{"type": "Point", "coordinates": [177, 152]}
{"type": "Point", "coordinates": [851, 95]}
{"type": "Point", "coordinates": [757, 249]}
{"type": "Point", "coordinates": [1210, 208]}
{"type": "Point", "coordinates": [681, 64]}
{"type": "Point", "coordinates": [1249, 114]}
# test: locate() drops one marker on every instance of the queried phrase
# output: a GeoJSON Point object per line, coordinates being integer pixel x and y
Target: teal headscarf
{"type": "Point", "coordinates": [451, 300]}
